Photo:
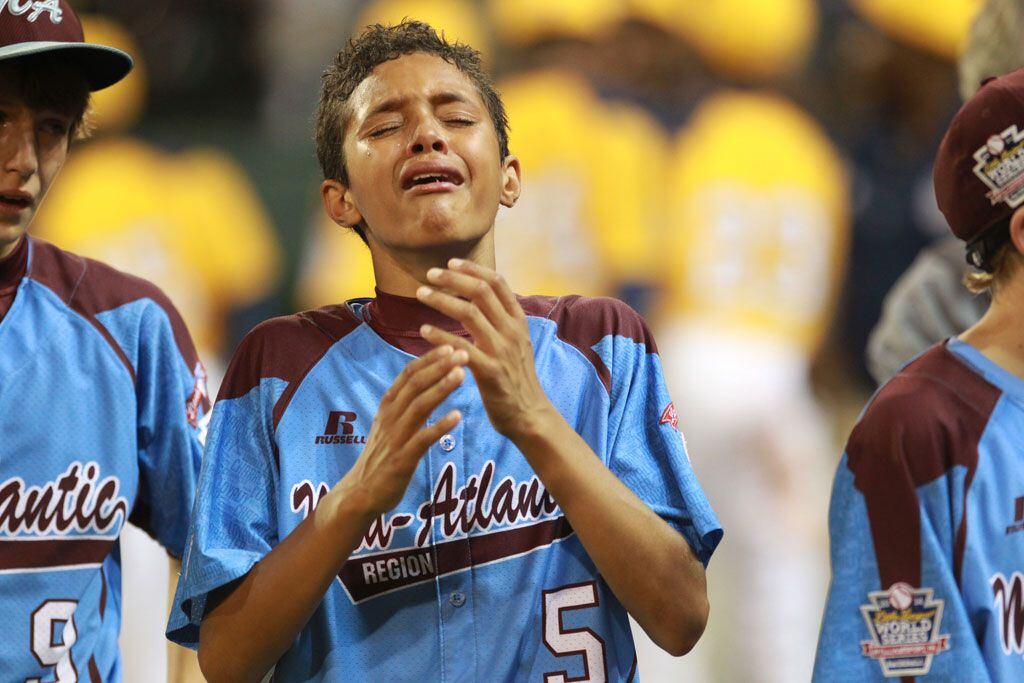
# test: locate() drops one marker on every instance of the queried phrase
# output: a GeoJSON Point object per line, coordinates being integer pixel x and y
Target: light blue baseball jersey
{"type": "Point", "coordinates": [101, 395]}
{"type": "Point", "coordinates": [476, 575]}
{"type": "Point", "coordinates": [926, 526]}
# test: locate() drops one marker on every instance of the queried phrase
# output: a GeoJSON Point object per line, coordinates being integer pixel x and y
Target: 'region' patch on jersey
{"type": "Point", "coordinates": [1001, 166]}
{"type": "Point", "coordinates": [516, 518]}
{"type": "Point", "coordinates": [903, 623]}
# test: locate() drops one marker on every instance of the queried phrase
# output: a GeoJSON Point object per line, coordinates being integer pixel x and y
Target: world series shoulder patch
{"type": "Point", "coordinates": [903, 623]}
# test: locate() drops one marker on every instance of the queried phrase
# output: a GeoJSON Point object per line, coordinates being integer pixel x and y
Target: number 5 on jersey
{"type": "Point", "coordinates": [563, 642]}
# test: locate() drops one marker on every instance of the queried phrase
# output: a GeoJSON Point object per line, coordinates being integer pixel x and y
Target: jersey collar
{"type": "Point", "coordinates": [404, 315]}
{"type": "Point", "coordinates": [995, 374]}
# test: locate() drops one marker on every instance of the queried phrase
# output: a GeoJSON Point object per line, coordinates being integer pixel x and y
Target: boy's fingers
{"type": "Point", "coordinates": [498, 284]}
{"type": "Point", "coordinates": [427, 377]}
{"type": "Point", "coordinates": [466, 312]}
{"type": "Point", "coordinates": [420, 408]}
{"type": "Point", "coordinates": [476, 289]}
{"type": "Point", "coordinates": [413, 367]}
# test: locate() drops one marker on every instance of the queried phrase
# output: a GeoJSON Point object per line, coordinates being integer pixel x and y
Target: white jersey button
{"type": "Point", "coordinates": [447, 443]}
{"type": "Point", "coordinates": [458, 598]}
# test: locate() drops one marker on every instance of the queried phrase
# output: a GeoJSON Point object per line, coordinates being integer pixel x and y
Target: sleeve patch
{"type": "Point", "coordinates": [904, 628]}
{"type": "Point", "coordinates": [669, 417]}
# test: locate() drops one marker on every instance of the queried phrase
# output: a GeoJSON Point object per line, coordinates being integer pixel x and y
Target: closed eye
{"type": "Point", "coordinates": [56, 127]}
{"type": "Point", "coordinates": [381, 132]}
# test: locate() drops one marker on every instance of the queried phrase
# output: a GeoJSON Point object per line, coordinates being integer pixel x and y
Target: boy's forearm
{"type": "Point", "coordinates": [255, 621]}
{"type": "Point", "coordinates": [649, 566]}
{"type": "Point", "coordinates": [249, 626]}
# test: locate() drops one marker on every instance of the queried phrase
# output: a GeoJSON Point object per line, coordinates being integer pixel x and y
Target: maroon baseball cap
{"type": "Point", "coordinates": [32, 27]}
{"type": "Point", "coordinates": [979, 170]}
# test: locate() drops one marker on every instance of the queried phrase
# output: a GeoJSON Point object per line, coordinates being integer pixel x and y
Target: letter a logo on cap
{"type": "Point", "coordinates": [19, 7]}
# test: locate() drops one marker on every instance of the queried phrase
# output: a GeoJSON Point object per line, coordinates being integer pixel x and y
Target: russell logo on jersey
{"type": "Point", "coordinates": [340, 421]}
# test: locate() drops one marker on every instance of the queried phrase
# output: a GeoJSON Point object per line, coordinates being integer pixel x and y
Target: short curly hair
{"type": "Point", "coordinates": [374, 46]}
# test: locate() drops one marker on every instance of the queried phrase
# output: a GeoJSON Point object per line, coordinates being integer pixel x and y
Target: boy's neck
{"type": "Point", "coordinates": [999, 335]}
{"type": "Point", "coordinates": [403, 272]}
{"type": "Point", "coordinates": [9, 248]}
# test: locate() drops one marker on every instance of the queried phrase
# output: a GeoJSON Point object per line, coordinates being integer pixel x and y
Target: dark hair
{"type": "Point", "coordinates": [48, 81]}
{"type": "Point", "coordinates": [374, 46]}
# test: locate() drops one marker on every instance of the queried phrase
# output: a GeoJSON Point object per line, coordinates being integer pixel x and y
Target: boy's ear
{"type": "Point", "coordinates": [339, 203]}
{"type": "Point", "coordinates": [1017, 229]}
{"type": "Point", "coordinates": [511, 184]}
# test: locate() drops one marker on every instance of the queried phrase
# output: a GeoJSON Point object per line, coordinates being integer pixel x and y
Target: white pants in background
{"type": "Point", "coordinates": [764, 454]}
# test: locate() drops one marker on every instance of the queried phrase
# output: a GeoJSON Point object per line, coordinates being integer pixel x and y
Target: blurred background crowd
{"type": "Point", "coordinates": [751, 175]}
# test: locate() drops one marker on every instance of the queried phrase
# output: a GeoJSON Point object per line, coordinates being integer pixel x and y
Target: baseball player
{"type": "Point", "coordinates": [928, 302]}
{"type": "Point", "coordinates": [928, 503]}
{"type": "Point", "coordinates": [447, 481]}
{"type": "Point", "coordinates": [101, 392]}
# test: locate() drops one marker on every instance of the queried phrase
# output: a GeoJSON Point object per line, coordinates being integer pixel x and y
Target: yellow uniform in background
{"type": "Point", "coordinates": [335, 268]}
{"type": "Point", "coordinates": [586, 219]}
{"type": "Point", "coordinates": [189, 222]}
{"type": "Point", "coordinates": [752, 261]}
{"type": "Point", "coordinates": [758, 216]}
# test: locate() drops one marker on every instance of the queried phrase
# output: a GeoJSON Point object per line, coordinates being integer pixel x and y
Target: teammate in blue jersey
{"type": "Point", "coordinates": [928, 505]}
{"type": "Point", "coordinates": [101, 392]}
{"type": "Point", "coordinates": [368, 509]}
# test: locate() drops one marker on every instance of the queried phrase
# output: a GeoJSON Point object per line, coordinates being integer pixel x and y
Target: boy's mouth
{"type": "Point", "coordinates": [427, 176]}
{"type": "Point", "coordinates": [15, 200]}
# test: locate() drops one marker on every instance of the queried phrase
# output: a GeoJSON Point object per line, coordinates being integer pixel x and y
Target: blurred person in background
{"type": "Point", "coordinates": [927, 504]}
{"type": "Point", "coordinates": [102, 355]}
{"type": "Point", "coordinates": [591, 204]}
{"type": "Point", "coordinates": [754, 237]}
{"type": "Point", "coordinates": [929, 302]}
{"type": "Point", "coordinates": [191, 223]}
{"type": "Point", "coordinates": [885, 88]}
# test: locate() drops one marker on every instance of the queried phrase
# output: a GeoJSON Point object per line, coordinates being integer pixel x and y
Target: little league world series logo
{"type": "Point", "coordinates": [904, 626]}
{"type": "Point", "coordinates": [1000, 165]}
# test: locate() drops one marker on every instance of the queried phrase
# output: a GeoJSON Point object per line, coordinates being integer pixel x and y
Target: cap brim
{"type": "Point", "coordinates": [103, 66]}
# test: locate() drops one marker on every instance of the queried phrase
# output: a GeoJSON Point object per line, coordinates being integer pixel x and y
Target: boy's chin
{"type": "Point", "coordinates": [11, 229]}
{"type": "Point", "coordinates": [436, 229]}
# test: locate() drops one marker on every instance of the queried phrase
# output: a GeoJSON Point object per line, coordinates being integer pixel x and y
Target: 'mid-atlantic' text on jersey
{"type": "Point", "coordinates": [927, 528]}
{"type": "Point", "coordinates": [476, 575]}
{"type": "Point", "coordinates": [101, 395]}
